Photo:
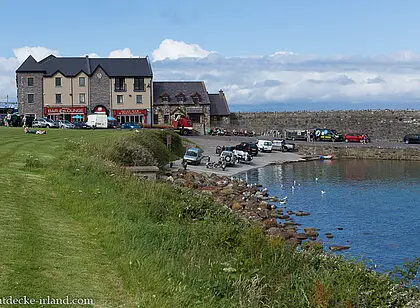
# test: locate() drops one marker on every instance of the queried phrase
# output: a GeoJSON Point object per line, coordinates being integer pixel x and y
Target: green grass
{"type": "Point", "coordinates": [73, 224]}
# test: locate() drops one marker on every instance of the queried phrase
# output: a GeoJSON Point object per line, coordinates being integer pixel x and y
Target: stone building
{"type": "Point", "coordinates": [64, 87]}
{"type": "Point", "coordinates": [219, 110]}
{"type": "Point", "coordinates": [171, 98]}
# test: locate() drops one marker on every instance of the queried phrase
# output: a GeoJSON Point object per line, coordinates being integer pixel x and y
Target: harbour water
{"type": "Point", "coordinates": [371, 206]}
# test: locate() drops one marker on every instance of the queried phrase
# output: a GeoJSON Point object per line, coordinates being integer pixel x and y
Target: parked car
{"type": "Point", "coordinates": [130, 125]}
{"type": "Point", "coordinates": [228, 157]}
{"type": "Point", "coordinates": [250, 148]}
{"type": "Point", "coordinates": [114, 124]}
{"type": "Point", "coordinates": [81, 125]}
{"type": "Point", "coordinates": [242, 156]}
{"type": "Point", "coordinates": [283, 145]}
{"type": "Point", "coordinates": [65, 124]}
{"type": "Point", "coordinates": [353, 137]}
{"type": "Point", "coordinates": [43, 123]}
{"type": "Point", "coordinates": [323, 134]}
{"type": "Point", "coordinates": [193, 156]}
{"type": "Point", "coordinates": [265, 145]}
{"type": "Point", "coordinates": [412, 138]}
{"type": "Point", "coordinates": [295, 134]}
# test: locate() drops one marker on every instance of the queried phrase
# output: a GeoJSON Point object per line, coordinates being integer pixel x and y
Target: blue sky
{"type": "Point", "coordinates": [359, 53]}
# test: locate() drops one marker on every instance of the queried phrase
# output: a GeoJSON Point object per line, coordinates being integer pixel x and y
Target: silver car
{"type": "Point", "coordinates": [65, 124]}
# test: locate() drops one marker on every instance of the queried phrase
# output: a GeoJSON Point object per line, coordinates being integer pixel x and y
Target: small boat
{"type": "Point", "coordinates": [326, 157]}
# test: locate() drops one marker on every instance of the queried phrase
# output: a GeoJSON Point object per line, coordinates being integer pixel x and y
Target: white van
{"type": "Point", "coordinates": [265, 145]}
{"type": "Point", "coordinates": [97, 120]}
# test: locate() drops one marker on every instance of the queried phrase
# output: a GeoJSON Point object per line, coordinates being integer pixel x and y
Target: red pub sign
{"type": "Point", "coordinates": [64, 110]}
{"type": "Point", "coordinates": [121, 112]}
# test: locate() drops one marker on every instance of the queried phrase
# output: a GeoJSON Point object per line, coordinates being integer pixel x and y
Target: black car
{"type": "Point", "coordinates": [412, 138]}
{"type": "Point", "coordinates": [251, 148]}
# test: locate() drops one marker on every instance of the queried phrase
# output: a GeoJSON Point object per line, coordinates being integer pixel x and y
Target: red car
{"type": "Point", "coordinates": [353, 137]}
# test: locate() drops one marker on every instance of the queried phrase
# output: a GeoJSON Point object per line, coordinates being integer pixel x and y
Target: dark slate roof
{"type": "Point", "coordinates": [30, 65]}
{"type": "Point", "coordinates": [174, 88]}
{"type": "Point", "coordinates": [218, 105]}
{"type": "Point", "coordinates": [123, 67]}
{"type": "Point", "coordinates": [72, 66]}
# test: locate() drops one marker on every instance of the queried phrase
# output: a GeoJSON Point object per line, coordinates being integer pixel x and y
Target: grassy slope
{"type": "Point", "coordinates": [72, 224]}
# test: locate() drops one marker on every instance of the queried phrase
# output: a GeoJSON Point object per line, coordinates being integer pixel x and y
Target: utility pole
{"type": "Point", "coordinates": [7, 99]}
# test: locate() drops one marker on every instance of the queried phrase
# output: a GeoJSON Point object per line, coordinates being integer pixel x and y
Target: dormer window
{"type": "Point", "coordinates": [165, 98]}
{"type": "Point", "coordinates": [180, 98]}
{"type": "Point", "coordinates": [196, 98]}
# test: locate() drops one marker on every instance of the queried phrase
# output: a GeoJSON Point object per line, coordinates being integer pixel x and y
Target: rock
{"type": "Point", "coordinates": [294, 240]}
{"type": "Point", "coordinates": [236, 206]}
{"type": "Point", "coordinates": [339, 228]}
{"type": "Point", "coordinates": [269, 223]}
{"type": "Point", "coordinates": [301, 236]}
{"type": "Point", "coordinates": [301, 213]}
{"type": "Point", "coordinates": [274, 231]}
{"type": "Point", "coordinates": [283, 216]}
{"type": "Point", "coordinates": [329, 235]}
{"type": "Point", "coordinates": [227, 191]}
{"type": "Point", "coordinates": [311, 232]}
{"type": "Point", "coordinates": [180, 182]}
{"type": "Point", "coordinates": [264, 204]}
{"type": "Point", "coordinates": [338, 247]}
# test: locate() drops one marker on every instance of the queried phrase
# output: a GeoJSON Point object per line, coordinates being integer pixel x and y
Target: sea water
{"type": "Point", "coordinates": [371, 206]}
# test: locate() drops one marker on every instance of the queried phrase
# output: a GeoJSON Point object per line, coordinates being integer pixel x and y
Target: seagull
{"type": "Point", "coordinates": [294, 182]}
{"type": "Point", "coordinates": [283, 200]}
{"type": "Point", "coordinates": [293, 188]}
{"type": "Point", "coordinates": [323, 192]}
{"type": "Point", "coordinates": [316, 179]}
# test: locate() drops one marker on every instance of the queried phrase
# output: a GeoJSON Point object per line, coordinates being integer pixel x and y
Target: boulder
{"type": "Point", "coordinates": [269, 223]}
{"type": "Point", "coordinates": [301, 213]}
{"type": "Point", "coordinates": [236, 206]}
{"type": "Point", "coordinates": [338, 247]}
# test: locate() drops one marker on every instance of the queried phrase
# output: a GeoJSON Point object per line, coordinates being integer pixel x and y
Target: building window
{"type": "Point", "coordinates": [30, 81]}
{"type": "Point", "coordinates": [155, 119]}
{"type": "Point", "coordinates": [120, 85]}
{"type": "Point", "coordinates": [195, 117]}
{"type": "Point", "coordinates": [82, 98]}
{"type": "Point", "coordinates": [195, 99]}
{"type": "Point", "coordinates": [58, 81]}
{"type": "Point", "coordinates": [58, 98]}
{"type": "Point", "coordinates": [82, 81]}
{"type": "Point", "coordinates": [139, 99]}
{"type": "Point", "coordinates": [165, 99]}
{"type": "Point", "coordinates": [166, 119]}
{"type": "Point", "coordinates": [30, 98]}
{"type": "Point", "coordinates": [138, 84]}
{"type": "Point", "coordinates": [180, 98]}
{"type": "Point", "coordinates": [119, 99]}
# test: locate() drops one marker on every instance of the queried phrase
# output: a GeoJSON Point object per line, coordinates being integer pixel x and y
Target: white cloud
{"type": "Point", "coordinates": [91, 55]}
{"type": "Point", "coordinates": [170, 49]}
{"type": "Point", "coordinates": [121, 53]}
{"type": "Point", "coordinates": [38, 53]}
{"type": "Point", "coordinates": [280, 77]}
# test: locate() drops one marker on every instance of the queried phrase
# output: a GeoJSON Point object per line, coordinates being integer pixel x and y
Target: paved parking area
{"type": "Point", "coordinates": [209, 144]}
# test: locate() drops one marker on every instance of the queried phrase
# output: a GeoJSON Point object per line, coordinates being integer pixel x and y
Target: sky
{"type": "Point", "coordinates": [271, 55]}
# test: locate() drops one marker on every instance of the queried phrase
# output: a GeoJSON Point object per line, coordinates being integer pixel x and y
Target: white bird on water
{"type": "Point", "coordinates": [316, 179]}
{"type": "Point", "coordinates": [283, 200]}
{"type": "Point", "coordinates": [323, 192]}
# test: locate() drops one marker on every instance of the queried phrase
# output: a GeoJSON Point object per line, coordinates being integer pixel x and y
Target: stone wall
{"type": "Point", "coordinates": [23, 90]}
{"type": "Point", "coordinates": [379, 124]}
{"type": "Point", "coordinates": [100, 91]}
{"type": "Point", "coordinates": [365, 152]}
